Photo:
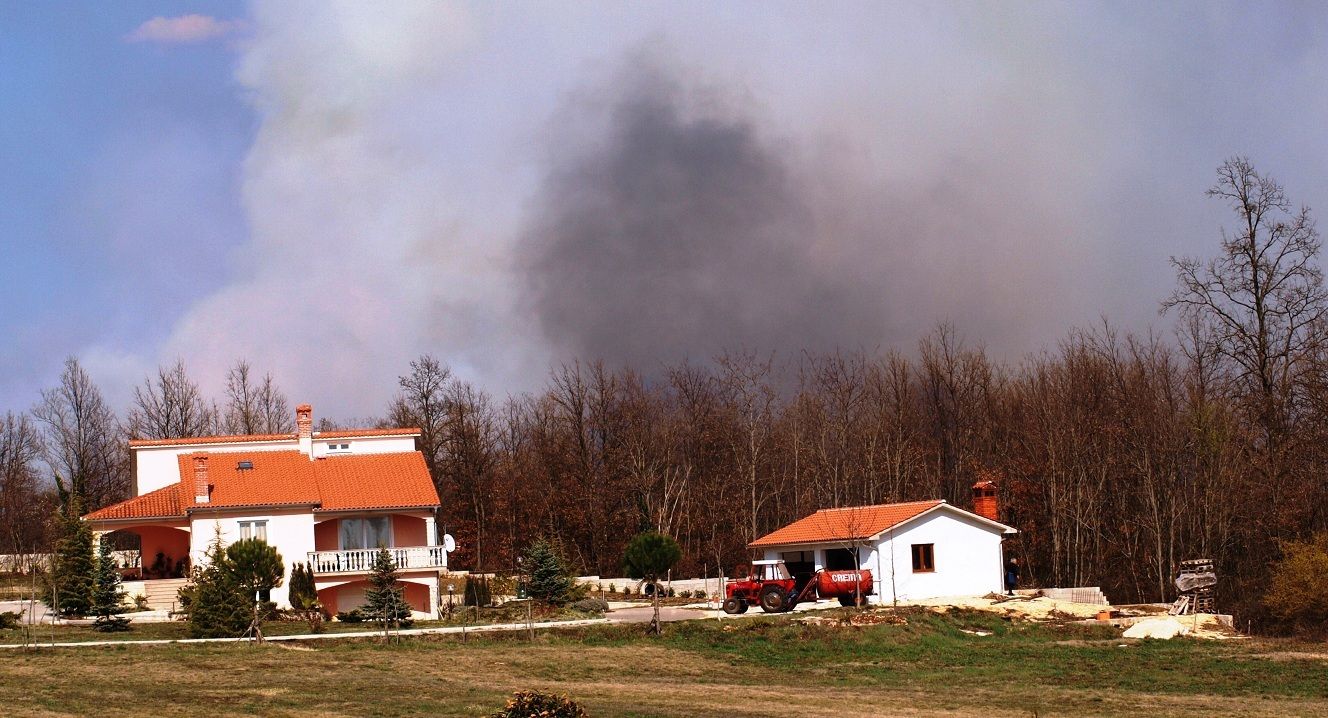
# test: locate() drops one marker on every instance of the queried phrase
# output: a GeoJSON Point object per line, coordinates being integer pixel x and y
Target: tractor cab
{"type": "Point", "coordinates": [766, 583]}
{"type": "Point", "coordinates": [770, 570]}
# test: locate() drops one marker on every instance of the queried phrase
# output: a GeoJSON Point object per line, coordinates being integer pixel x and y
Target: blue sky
{"type": "Point", "coordinates": [120, 179]}
{"type": "Point", "coordinates": [331, 188]}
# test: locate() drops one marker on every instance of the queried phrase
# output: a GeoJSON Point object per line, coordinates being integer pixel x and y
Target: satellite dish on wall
{"type": "Point", "coordinates": [449, 543]}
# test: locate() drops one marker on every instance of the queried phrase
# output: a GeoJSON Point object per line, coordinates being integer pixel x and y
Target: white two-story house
{"type": "Point", "coordinates": [330, 499]}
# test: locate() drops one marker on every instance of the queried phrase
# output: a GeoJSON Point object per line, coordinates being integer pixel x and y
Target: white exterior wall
{"type": "Point", "coordinates": [290, 532]}
{"type": "Point", "coordinates": [967, 555]}
{"type": "Point", "coordinates": [365, 445]}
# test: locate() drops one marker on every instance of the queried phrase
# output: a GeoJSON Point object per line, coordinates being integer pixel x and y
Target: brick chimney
{"type": "Point", "coordinates": [201, 478]}
{"type": "Point", "coordinates": [984, 500]}
{"type": "Point", "coordinates": [304, 425]}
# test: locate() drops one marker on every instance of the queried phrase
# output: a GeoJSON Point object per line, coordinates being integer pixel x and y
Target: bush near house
{"type": "Point", "coordinates": [590, 605]}
{"type": "Point", "coordinates": [476, 591]}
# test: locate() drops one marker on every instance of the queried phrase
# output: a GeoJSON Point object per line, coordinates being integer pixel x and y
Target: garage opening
{"type": "Point", "coordinates": [839, 559]}
{"type": "Point", "coordinates": [801, 565]}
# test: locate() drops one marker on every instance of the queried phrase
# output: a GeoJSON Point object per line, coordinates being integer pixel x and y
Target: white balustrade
{"type": "Point", "coordinates": [361, 560]}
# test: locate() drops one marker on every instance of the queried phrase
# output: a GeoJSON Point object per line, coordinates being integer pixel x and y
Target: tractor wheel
{"type": "Point", "coordinates": [773, 600]}
{"type": "Point", "coordinates": [735, 605]}
{"type": "Point", "coordinates": [851, 601]}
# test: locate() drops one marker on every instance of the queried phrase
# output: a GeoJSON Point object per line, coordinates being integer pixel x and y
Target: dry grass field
{"type": "Point", "coordinates": [758, 667]}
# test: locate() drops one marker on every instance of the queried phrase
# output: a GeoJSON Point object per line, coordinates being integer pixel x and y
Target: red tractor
{"type": "Point", "coordinates": [770, 585]}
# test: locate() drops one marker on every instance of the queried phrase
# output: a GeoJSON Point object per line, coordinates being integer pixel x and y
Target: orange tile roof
{"type": "Point", "coordinates": [852, 522]}
{"type": "Point", "coordinates": [374, 481]}
{"type": "Point", "coordinates": [161, 503]}
{"type": "Point", "coordinates": [248, 438]}
{"type": "Point", "coordinates": [278, 478]}
{"type": "Point", "coordinates": [289, 478]}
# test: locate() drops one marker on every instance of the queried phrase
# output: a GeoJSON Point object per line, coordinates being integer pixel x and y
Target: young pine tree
{"type": "Point", "coordinates": [219, 607]}
{"type": "Point", "coordinates": [106, 593]}
{"type": "Point", "coordinates": [549, 580]}
{"type": "Point", "coordinates": [69, 591]}
{"type": "Point", "coordinates": [385, 599]}
{"type": "Point", "coordinates": [649, 556]}
{"type": "Point", "coordinates": [257, 566]}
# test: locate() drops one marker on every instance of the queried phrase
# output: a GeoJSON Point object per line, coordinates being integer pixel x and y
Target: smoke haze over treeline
{"type": "Point", "coordinates": [511, 188]}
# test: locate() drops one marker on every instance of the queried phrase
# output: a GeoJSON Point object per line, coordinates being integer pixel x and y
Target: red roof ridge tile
{"type": "Point", "coordinates": [224, 439]}
{"type": "Point", "coordinates": [881, 506]}
{"type": "Point", "coordinates": [256, 438]}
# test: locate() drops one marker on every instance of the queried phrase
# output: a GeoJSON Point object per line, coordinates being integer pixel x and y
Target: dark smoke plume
{"type": "Point", "coordinates": [679, 232]}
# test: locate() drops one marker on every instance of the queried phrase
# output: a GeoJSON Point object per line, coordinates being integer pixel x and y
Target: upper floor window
{"type": "Point", "coordinates": [253, 529]}
{"type": "Point", "coordinates": [343, 446]}
{"type": "Point", "coordinates": [370, 532]}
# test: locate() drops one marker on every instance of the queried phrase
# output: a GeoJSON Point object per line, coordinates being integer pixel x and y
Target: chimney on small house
{"type": "Point", "coordinates": [201, 478]}
{"type": "Point", "coordinates": [304, 425]}
{"type": "Point", "coordinates": [984, 499]}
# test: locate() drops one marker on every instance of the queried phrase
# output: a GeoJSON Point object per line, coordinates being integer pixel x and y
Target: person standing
{"type": "Point", "coordinates": [1011, 576]}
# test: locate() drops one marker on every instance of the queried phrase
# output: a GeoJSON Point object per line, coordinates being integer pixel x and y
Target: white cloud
{"type": "Point", "coordinates": [184, 29]}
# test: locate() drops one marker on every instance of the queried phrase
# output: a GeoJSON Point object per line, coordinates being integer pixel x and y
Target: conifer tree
{"type": "Point", "coordinates": [106, 593]}
{"type": "Point", "coordinates": [649, 556]}
{"type": "Point", "coordinates": [69, 591]}
{"type": "Point", "coordinates": [304, 596]}
{"type": "Point", "coordinates": [549, 581]}
{"type": "Point", "coordinates": [257, 566]}
{"type": "Point", "coordinates": [219, 606]}
{"type": "Point", "coordinates": [385, 599]}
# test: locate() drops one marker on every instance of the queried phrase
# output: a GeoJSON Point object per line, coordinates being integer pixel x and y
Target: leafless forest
{"type": "Point", "coordinates": [1116, 455]}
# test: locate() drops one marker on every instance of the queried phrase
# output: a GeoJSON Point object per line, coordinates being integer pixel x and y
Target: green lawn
{"type": "Point", "coordinates": [176, 630]}
{"type": "Point", "coordinates": [757, 666]}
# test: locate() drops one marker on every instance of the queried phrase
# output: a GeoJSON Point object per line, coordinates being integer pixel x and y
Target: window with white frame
{"type": "Point", "coordinates": [367, 532]}
{"type": "Point", "coordinates": [339, 446]}
{"type": "Point", "coordinates": [253, 529]}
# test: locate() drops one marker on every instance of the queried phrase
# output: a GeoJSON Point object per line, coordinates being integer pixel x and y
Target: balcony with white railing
{"type": "Point", "coordinates": [361, 560]}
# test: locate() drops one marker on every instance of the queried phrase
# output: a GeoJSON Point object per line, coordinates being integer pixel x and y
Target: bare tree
{"type": "Point", "coordinates": [82, 442]}
{"type": "Point", "coordinates": [24, 505]}
{"type": "Point", "coordinates": [170, 407]}
{"type": "Point", "coordinates": [254, 407]}
{"type": "Point", "coordinates": [747, 385]}
{"type": "Point", "coordinates": [422, 403]}
{"type": "Point", "coordinates": [1263, 295]}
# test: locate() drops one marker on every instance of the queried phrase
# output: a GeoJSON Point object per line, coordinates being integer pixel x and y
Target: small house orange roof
{"type": "Point", "coordinates": [845, 524]}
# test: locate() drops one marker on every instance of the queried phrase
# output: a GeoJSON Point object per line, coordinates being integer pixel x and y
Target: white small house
{"type": "Point", "coordinates": [915, 550]}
